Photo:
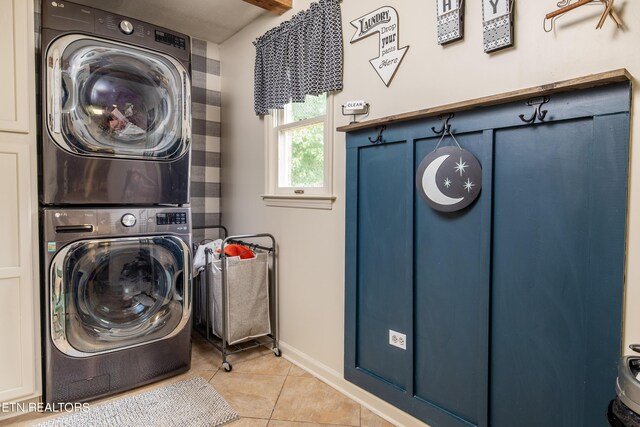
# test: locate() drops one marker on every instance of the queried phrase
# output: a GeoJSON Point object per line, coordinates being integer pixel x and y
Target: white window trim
{"type": "Point", "coordinates": [312, 198]}
{"type": "Point", "coordinates": [299, 201]}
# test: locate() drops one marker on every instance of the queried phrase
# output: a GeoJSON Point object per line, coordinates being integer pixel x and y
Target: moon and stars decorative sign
{"type": "Point", "coordinates": [449, 179]}
{"type": "Point", "coordinates": [497, 24]}
{"type": "Point", "coordinates": [385, 22]}
{"type": "Point", "coordinates": [450, 20]}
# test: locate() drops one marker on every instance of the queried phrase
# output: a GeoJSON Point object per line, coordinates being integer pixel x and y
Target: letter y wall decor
{"type": "Point", "coordinates": [497, 24]}
{"type": "Point", "coordinates": [385, 22]}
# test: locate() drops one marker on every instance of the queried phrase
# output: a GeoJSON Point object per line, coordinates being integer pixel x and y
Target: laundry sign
{"type": "Point", "coordinates": [383, 21]}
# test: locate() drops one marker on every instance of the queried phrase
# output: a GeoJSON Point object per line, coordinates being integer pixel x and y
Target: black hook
{"type": "Point", "coordinates": [445, 124]}
{"type": "Point", "coordinates": [379, 137]}
{"type": "Point", "coordinates": [537, 113]}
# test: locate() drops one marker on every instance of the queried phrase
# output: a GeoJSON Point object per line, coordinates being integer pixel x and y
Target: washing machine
{"type": "Point", "coordinates": [117, 299]}
{"type": "Point", "coordinates": [116, 109]}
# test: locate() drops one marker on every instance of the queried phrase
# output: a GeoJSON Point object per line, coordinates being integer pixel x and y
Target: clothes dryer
{"type": "Point", "coordinates": [116, 109]}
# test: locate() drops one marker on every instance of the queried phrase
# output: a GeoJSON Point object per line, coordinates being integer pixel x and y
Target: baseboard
{"type": "Point", "coordinates": [336, 380]}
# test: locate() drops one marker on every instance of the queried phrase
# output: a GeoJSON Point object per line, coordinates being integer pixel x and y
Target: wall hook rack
{"type": "Point", "coordinates": [537, 113]}
{"type": "Point", "coordinates": [379, 137]}
{"type": "Point", "coordinates": [445, 124]}
{"type": "Point", "coordinates": [567, 5]}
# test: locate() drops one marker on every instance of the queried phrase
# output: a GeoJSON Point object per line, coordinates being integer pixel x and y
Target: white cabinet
{"type": "Point", "coordinates": [16, 77]}
{"type": "Point", "coordinates": [19, 295]}
{"type": "Point", "coordinates": [18, 290]}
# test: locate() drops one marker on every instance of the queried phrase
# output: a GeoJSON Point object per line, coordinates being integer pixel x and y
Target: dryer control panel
{"type": "Point", "coordinates": [171, 218]}
{"type": "Point", "coordinates": [170, 39]}
{"type": "Point", "coordinates": [74, 18]}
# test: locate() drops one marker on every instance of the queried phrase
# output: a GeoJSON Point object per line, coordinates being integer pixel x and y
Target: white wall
{"type": "Point", "coordinates": [311, 241]}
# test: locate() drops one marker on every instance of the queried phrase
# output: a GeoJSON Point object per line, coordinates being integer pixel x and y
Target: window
{"type": "Point", "coordinates": [300, 153]}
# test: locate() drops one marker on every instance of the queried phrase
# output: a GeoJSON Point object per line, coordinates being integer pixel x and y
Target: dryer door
{"type": "Point", "coordinates": [113, 100]}
{"type": "Point", "coordinates": [110, 294]}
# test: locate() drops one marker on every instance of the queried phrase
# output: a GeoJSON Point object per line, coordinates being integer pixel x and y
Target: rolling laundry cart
{"type": "Point", "coordinates": [236, 300]}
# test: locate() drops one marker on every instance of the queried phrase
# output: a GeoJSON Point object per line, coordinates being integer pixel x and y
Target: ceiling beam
{"type": "Point", "coordinates": [276, 6]}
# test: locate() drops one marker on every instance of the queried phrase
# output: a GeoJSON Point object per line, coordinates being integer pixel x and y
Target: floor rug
{"type": "Point", "coordinates": [192, 402]}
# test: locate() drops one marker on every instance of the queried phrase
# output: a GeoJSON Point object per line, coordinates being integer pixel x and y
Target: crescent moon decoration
{"type": "Point", "coordinates": [449, 179]}
{"type": "Point", "coordinates": [430, 186]}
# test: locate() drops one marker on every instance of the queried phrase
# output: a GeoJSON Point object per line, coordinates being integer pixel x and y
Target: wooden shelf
{"type": "Point", "coordinates": [276, 6]}
{"type": "Point", "coordinates": [615, 76]}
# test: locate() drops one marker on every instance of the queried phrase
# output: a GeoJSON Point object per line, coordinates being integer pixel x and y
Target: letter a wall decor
{"type": "Point", "coordinates": [385, 22]}
{"type": "Point", "coordinates": [497, 25]}
{"type": "Point", "coordinates": [450, 20]}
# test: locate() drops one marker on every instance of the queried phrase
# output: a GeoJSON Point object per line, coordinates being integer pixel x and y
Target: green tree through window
{"type": "Point", "coordinates": [303, 162]}
{"type": "Point", "coordinates": [307, 157]}
{"type": "Point", "coordinates": [299, 153]}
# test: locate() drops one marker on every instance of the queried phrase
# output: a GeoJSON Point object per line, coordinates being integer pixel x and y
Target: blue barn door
{"type": "Point", "coordinates": [512, 307]}
{"type": "Point", "coordinates": [559, 214]}
{"type": "Point", "coordinates": [451, 297]}
{"type": "Point", "coordinates": [394, 293]}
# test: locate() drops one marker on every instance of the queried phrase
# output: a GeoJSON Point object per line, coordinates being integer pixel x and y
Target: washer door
{"type": "Point", "coordinates": [112, 100]}
{"type": "Point", "coordinates": [115, 293]}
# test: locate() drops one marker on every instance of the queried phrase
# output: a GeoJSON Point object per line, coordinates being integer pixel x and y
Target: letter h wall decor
{"type": "Point", "coordinates": [450, 20]}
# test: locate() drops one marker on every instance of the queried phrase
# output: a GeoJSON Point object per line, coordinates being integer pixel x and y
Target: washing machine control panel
{"type": "Point", "coordinates": [126, 26]}
{"type": "Point", "coordinates": [171, 218]}
{"type": "Point", "coordinates": [128, 220]}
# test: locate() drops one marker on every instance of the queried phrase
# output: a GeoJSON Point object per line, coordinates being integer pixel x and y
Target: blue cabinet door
{"type": "Point", "coordinates": [512, 307]}
{"type": "Point", "coordinates": [386, 284]}
{"type": "Point", "coordinates": [559, 214]}
{"type": "Point", "coordinates": [451, 290]}
{"type": "Point", "coordinates": [399, 278]}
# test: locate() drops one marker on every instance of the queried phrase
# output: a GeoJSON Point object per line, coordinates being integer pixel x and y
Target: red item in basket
{"type": "Point", "coordinates": [238, 250]}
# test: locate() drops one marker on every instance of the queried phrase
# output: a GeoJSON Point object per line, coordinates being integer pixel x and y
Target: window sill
{"type": "Point", "coordinates": [303, 202]}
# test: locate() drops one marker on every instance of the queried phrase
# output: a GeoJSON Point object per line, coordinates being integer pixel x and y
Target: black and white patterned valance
{"type": "Point", "coordinates": [302, 56]}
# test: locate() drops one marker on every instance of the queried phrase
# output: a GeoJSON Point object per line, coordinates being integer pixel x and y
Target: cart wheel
{"type": "Point", "coordinates": [227, 367]}
{"type": "Point", "coordinates": [276, 351]}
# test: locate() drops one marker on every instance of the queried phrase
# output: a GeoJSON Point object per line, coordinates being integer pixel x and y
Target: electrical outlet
{"type": "Point", "coordinates": [397, 339]}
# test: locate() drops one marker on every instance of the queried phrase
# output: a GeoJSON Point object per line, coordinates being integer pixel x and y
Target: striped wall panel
{"type": "Point", "coordinates": [205, 163]}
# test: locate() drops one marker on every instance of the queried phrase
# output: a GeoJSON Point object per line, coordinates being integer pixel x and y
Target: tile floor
{"type": "Point", "coordinates": [266, 391]}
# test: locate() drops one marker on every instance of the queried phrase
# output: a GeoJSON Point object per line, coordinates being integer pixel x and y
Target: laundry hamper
{"type": "Point", "coordinates": [237, 299]}
{"type": "Point", "coordinates": [247, 299]}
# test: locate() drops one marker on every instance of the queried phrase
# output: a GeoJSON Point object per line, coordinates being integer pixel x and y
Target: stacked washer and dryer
{"type": "Point", "coordinates": [114, 179]}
